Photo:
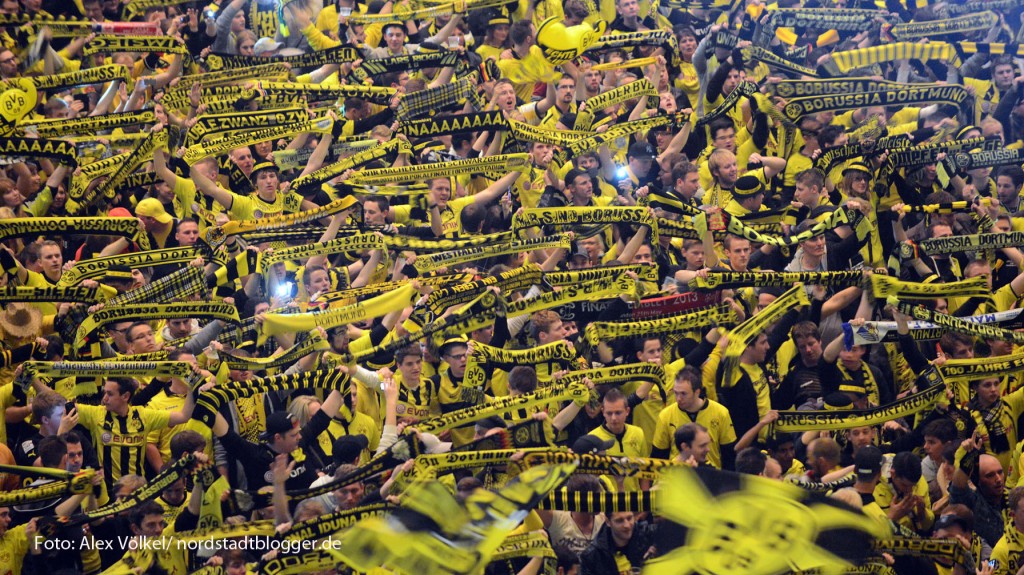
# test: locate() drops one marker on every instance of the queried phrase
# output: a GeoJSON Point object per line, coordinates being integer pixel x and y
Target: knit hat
{"type": "Point", "coordinates": [747, 187]}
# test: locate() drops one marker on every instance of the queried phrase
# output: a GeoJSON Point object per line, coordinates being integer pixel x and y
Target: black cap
{"type": "Point", "coordinates": [837, 400]}
{"type": "Point", "coordinates": [867, 462]}
{"type": "Point", "coordinates": [642, 150]}
{"type": "Point", "coordinates": [348, 448]}
{"type": "Point", "coordinates": [592, 444]}
{"type": "Point", "coordinates": [747, 187]}
{"type": "Point", "coordinates": [278, 422]}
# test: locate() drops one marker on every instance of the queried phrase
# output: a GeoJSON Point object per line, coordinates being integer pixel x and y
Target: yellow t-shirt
{"type": "Point", "coordinates": [633, 443]}
{"type": "Point", "coordinates": [645, 415]}
{"type": "Point", "coordinates": [252, 207]}
{"type": "Point", "coordinates": [184, 195]}
{"type": "Point", "coordinates": [491, 52]}
{"type": "Point", "coordinates": [13, 547]}
{"type": "Point", "coordinates": [1009, 551]}
{"type": "Point", "coordinates": [360, 424]}
{"type": "Point", "coordinates": [713, 416]}
{"type": "Point", "coordinates": [162, 437]}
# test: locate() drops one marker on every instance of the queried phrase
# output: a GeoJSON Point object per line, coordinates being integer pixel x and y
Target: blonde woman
{"type": "Point", "coordinates": [856, 187]}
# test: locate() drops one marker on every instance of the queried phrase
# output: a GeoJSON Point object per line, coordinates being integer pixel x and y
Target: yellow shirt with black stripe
{"type": "Point", "coordinates": [420, 402]}
{"type": "Point", "coordinates": [121, 441]}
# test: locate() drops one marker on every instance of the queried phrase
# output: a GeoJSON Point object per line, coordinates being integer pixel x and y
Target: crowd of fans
{"type": "Point", "coordinates": [910, 473]}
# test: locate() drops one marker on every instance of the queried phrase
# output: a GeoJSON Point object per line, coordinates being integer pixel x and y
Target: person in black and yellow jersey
{"type": "Point", "coordinates": [747, 197]}
{"type": "Point", "coordinates": [691, 407]}
{"type": "Point", "coordinates": [417, 395]}
{"type": "Point", "coordinates": [119, 429]}
{"type": "Point", "coordinates": [15, 543]}
{"type": "Point", "coordinates": [451, 395]}
{"type": "Point", "coordinates": [629, 439]}
{"type": "Point", "coordinates": [1008, 552]}
{"type": "Point", "coordinates": [268, 200]}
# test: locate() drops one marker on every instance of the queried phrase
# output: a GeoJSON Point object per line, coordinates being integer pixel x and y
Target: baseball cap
{"type": "Point", "coordinates": [581, 253]}
{"type": "Point", "coordinates": [348, 447]}
{"type": "Point", "coordinates": [838, 400]}
{"type": "Point", "coordinates": [867, 462]}
{"type": "Point", "coordinates": [119, 213]}
{"type": "Point", "coordinates": [265, 45]}
{"type": "Point", "coordinates": [592, 444]}
{"type": "Point", "coordinates": [278, 422]}
{"type": "Point", "coordinates": [642, 150]}
{"type": "Point", "coordinates": [747, 187]}
{"type": "Point", "coordinates": [152, 208]}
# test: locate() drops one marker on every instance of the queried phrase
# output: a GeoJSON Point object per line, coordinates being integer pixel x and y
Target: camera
{"type": "Point", "coordinates": [285, 289]}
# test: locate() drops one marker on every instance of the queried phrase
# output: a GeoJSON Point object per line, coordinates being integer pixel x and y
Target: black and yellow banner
{"type": "Point", "coordinates": [111, 44]}
{"type": "Point", "coordinates": [800, 421]}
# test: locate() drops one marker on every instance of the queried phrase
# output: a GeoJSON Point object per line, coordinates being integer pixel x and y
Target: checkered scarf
{"type": "Point", "coordinates": [177, 286]}
{"type": "Point", "coordinates": [433, 100]}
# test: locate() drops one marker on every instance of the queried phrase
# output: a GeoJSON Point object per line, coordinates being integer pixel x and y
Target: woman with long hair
{"type": "Point", "coordinates": [857, 185]}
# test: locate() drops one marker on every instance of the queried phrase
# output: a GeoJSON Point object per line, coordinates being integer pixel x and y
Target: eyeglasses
{"type": "Point", "coordinates": [457, 357]}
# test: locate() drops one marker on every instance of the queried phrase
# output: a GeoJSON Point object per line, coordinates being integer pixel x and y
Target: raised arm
{"type": "Point", "coordinates": [493, 191]}
{"type": "Point", "coordinates": [771, 164]}
{"type": "Point", "coordinates": [281, 469]}
{"type": "Point", "coordinates": [210, 188]}
{"type": "Point", "coordinates": [183, 415]}
{"type": "Point", "coordinates": [329, 234]}
{"type": "Point", "coordinates": [831, 353]}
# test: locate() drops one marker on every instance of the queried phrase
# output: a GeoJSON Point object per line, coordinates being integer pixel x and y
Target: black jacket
{"type": "Point", "coordinates": [599, 558]}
